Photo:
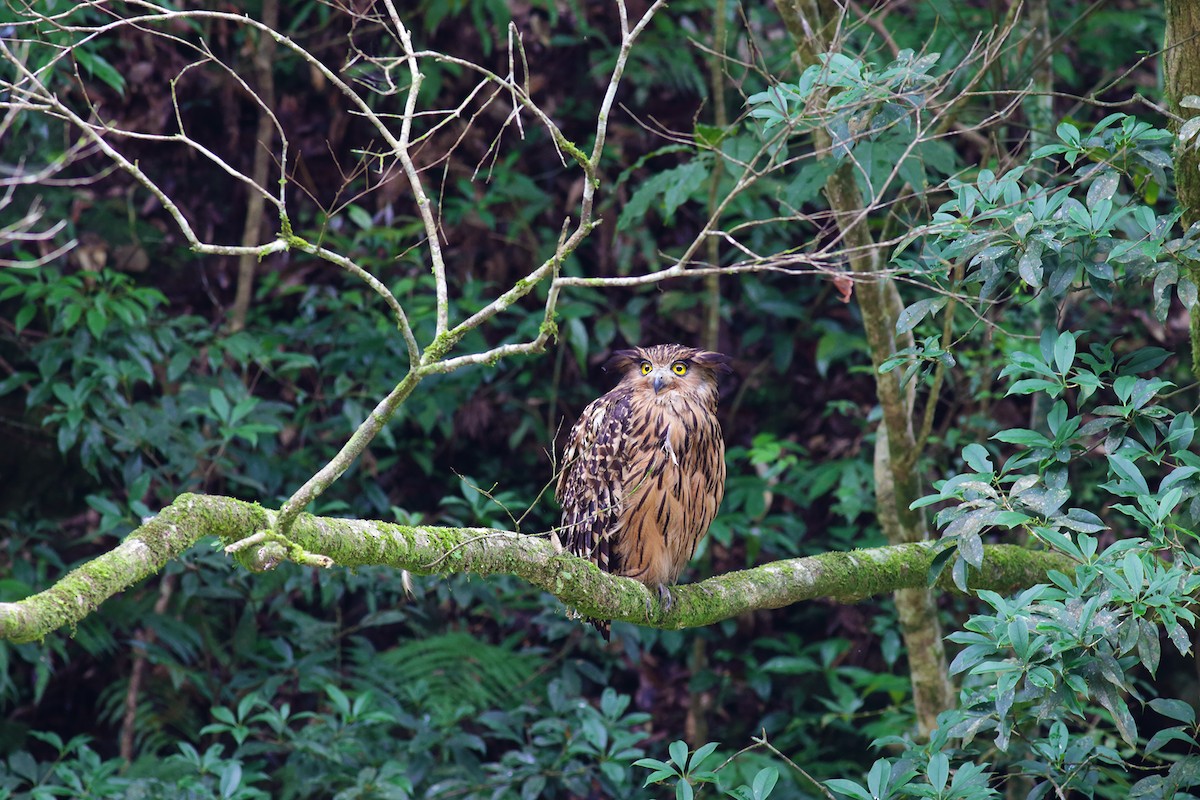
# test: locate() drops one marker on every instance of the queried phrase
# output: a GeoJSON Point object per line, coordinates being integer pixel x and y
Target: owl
{"type": "Point", "coordinates": [644, 468]}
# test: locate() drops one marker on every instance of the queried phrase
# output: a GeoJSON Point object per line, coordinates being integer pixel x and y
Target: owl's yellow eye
{"type": "Point", "coordinates": [646, 368]}
{"type": "Point", "coordinates": [679, 368]}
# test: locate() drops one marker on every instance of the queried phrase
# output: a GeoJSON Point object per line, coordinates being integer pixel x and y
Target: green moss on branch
{"type": "Point", "coordinates": [844, 577]}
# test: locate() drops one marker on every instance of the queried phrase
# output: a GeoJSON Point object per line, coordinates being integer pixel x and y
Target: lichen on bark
{"type": "Point", "coordinates": [1181, 77]}
{"type": "Point", "coordinates": [348, 543]}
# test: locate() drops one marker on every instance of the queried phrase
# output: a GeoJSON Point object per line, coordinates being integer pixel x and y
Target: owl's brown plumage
{"type": "Point", "coordinates": [644, 467]}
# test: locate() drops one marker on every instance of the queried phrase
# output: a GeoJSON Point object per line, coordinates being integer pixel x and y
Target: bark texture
{"type": "Point", "coordinates": [1181, 77]}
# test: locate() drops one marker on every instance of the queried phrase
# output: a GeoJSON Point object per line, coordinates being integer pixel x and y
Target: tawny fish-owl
{"type": "Point", "coordinates": [644, 467]}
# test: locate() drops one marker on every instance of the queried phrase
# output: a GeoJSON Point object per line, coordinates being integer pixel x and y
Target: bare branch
{"type": "Point", "coordinates": [350, 451]}
{"type": "Point", "coordinates": [402, 324]}
{"type": "Point", "coordinates": [23, 231]}
{"type": "Point", "coordinates": [400, 147]}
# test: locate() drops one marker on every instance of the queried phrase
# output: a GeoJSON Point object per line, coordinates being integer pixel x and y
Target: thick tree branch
{"type": "Point", "coordinates": [843, 577]}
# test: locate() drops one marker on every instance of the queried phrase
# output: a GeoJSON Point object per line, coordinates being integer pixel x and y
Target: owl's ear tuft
{"type": "Point", "coordinates": [621, 360]}
{"type": "Point", "coordinates": [717, 362]}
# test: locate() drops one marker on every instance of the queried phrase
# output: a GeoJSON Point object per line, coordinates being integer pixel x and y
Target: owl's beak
{"type": "Point", "coordinates": [659, 382]}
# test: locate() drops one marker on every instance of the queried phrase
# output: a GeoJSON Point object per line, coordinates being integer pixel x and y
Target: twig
{"type": "Point", "coordinates": [401, 149]}
{"type": "Point", "coordinates": [763, 741]}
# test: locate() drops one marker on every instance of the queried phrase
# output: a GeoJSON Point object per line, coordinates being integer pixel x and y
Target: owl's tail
{"type": "Point", "coordinates": [603, 626]}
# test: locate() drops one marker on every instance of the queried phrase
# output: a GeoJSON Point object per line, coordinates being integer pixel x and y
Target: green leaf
{"type": "Point", "coordinates": [1162, 737]}
{"type": "Point", "coordinates": [711, 135]}
{"type": "Point", "coordinates": [938, 565]}
{"type": "Point", "coordinates": [1144, 217]}
{"type": "Point", "coordinates": [971, 547]}
{"type": "Point", "coordinates": [909, 317]}
{"type": "Point", "coordinates": [1068, 133]}
{"type": "Point", "coordinates": [678, 750]}
{"type": "Point", "coordinates": [1187, 290]}
{"type": "Point", "coordinates": [1120, 713]}
{"type": "Point", "coordinates": [880, 777]}
{"type": "Point", "coordinates": [339, 699]}
{"type": "Point", "coordinates": [1078, 519]}
{"type": "Point", "coordinates": [96, 322]}
{"type": "Point", "coordinates": [1029, 267]}
{"type": "Point", "coordinates": [360, 216]}
{"type": "Point", "coordinates": [70, 316]}
{"type": "Point", "coordinates": [667, 191]}
{"type": "Point", "coordinates": [1064, 352]}
{"type": "Point", "coordinates": [140, 485]}
{"type": "Point", "coordinates": [614, 771]}
{"type": "Point", "coordinates": [701, 754]}
{"type": "Point", "coordinates": [1022, 436]}
{"type": "Point", "coordinates": [14, 381]}
{"type": "Point", "coordinates": [689, 179]}
{"type": "Point", "coordinates": [764, 782]}
{"type": "Point", "coordinates": [791, 665]}
{"type": "Point", "coordinates": [1059, 541]}
{"type": "Point", "coordinates": [1018, 635]}
{"type": "Point", "coordinates": [98, 66]}
{"type": "Point", "coordinates": [533, 787]}
{"type": "Point", "coordinates": [1010, 519]}
{"type": "Point", "coordinates": [977, 458]}
{"type": "Point", "coordinates": [1188, 129]}
{"type": "Point", "coordinates": [223, 714]}
{"type": "Point", "coordinates": [1174, 709]}
{"type": "Point", "coordinates": [1031, 385]}
{"type": "Point", "coordinates": [938, 771]}
{"type": "Point", "coordinates": [1102, 188]}
{"type": "Point", "coordinates": [659, 776]}
{"type": "Point", "coordinates": [848, 788]}
{"type": "Point", "coordinates": [243, 407]}
{"type": "Point", "coordinates": [219, 403]}
{"type": "Point", "coordinates": [24, 317]}
{"type": "Point", "coordinates": [231, 778]}
{"type": "Point", "coordinates": [1127, 470]}
{"type": "Point", "coordinates": [810, 179]}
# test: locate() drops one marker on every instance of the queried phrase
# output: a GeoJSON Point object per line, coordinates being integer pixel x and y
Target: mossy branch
{"type": "Point", "coordinates": [843, 577]}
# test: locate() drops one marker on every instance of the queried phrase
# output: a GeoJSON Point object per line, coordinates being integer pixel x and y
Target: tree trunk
{"type": "Point", "coordinates": [1181, 77]}
{"type": "Point", "coordinates": [813, 25]}
{"type": "Point", "coordinates": [264, 71]}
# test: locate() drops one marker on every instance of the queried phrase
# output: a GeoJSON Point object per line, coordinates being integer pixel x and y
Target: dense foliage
{"type": "Point", "coordinates": [1043, 291]}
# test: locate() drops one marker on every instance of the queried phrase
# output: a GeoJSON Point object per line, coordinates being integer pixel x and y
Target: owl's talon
{"type": "Point", "coordinates": [664, 597]}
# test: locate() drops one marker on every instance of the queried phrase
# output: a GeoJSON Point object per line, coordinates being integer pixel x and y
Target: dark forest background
{"type": "Point", "coordinates": [127, 377]}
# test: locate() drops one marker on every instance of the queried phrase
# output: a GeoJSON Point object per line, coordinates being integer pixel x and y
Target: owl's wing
{"type": "Point", "coordinates": [589, 486]}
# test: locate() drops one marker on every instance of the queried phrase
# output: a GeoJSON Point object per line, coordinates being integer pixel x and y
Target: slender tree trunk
{"type": "Point", "coordinates": [699, 702]}
{"type": "Point", "coordinates": [1181, 74]}
{"type": "Point", "coordinates": [716, 72]}
{"type": "Point", "coordinates": [264, 75]}
{"type": "Point", "coordinates": [1039, 111]}
{"type": "Point", "coordinates": [813, 25]}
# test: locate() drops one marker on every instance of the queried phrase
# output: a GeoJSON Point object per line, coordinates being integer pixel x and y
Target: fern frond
{"type": "Point", "coordinates": [456, 670]}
